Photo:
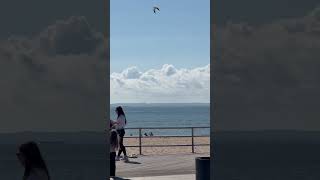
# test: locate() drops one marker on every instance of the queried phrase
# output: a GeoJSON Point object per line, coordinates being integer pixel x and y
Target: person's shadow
{"type": "Point", "coordinates": [133, 162]}
{"type": "Point", "coordinates": [119, 178]}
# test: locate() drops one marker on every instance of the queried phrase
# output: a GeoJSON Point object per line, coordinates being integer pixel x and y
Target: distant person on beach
{"type": "Point", "coordinates": [114, 145]}
{"type": "Point", "coordinates": [120, 124]}
{"type": "Point", "coordinates": [31, 159]}
{"type": "Point", "coordinates": [150, 134]}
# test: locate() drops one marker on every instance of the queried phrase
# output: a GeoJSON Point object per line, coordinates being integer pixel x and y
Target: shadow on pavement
{"type": "Point", "coordinates": [133, 162]}
{"type": "Point", "coordinates": [119, 178]}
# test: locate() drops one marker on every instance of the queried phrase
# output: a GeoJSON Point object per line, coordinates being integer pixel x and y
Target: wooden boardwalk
{"type": "Point", "coordinates": [160, 165]}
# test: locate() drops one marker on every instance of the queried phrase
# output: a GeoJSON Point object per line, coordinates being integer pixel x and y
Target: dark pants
{"type": "Point", "coordinates": [112, 163]}
{"type": "Point", "coordinates": [121, 133]}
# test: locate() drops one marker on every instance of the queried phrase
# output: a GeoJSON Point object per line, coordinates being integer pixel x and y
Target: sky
{"type": "Point", "coordinates": [53, 62]}
{"type": "Point", "coordinates": [178, 36]}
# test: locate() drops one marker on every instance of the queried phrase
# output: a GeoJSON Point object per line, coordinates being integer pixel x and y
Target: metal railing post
{"type": "Point", "coordinates": [140, 150]}
{"type": "Point", "coordinates": [192, 134]}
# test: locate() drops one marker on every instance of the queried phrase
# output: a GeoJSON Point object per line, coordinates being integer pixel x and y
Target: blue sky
{"type": "Point", "coordinates": [178, 35]}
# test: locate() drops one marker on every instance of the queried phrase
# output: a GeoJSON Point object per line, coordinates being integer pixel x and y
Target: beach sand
{"type": "Point", "coordinates": [167, 141]}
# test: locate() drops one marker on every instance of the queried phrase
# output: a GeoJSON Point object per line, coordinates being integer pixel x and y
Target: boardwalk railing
{"type": "Point", "coordinates": [192, 136]}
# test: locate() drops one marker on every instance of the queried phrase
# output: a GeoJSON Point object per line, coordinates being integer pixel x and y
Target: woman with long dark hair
{"type": "Point", "coordinates": [114, 145]}
{"type": "Point", "coordinates": [120, 124]}
{"type": "Point", "coordinates": [31, 159]}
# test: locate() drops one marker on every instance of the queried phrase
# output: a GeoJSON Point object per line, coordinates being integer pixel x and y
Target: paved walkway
{"type": "Point", "coordinates": [148, 166]}
{"type": "Point", "coordinates": [173, 177]}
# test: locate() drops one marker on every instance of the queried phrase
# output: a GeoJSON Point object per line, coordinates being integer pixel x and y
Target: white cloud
{"type": "Point", "coordinates": [268, 75]}
{"type": "Point", "coordinates": [49, 78]}
{"type": "Point", "coordinates": [167, 84]}
{"type": "Point", "coordinates": [131, 73]}
{"type": "Point", "coordinates": [71, 36]}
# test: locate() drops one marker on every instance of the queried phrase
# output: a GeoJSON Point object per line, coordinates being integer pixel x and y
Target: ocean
{"type": "Point", "coordinates": [166, 115]}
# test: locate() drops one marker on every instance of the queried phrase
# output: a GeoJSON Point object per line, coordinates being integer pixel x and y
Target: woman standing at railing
{"type": "Point", "coordinates": [120, 124]}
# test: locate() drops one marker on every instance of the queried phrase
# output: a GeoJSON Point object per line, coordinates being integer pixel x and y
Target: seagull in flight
{"type": "Point", "coordinates": [155, 8]}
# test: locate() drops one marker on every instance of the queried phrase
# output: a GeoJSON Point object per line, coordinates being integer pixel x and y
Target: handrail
{"type": "Point", "coordinates": [192, 136]}
{"type": "Point", "coordinates": [195, 127]}
{"type": "Point", "coordinates": [132, 137]}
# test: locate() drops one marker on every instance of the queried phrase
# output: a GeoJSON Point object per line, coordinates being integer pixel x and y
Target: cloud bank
{"type": "Point", "coordinates": [167, 84]}
{"type": "Point", "coordinates": [268, 75]}
{"type": "Point", "coordinates": [54, 81]}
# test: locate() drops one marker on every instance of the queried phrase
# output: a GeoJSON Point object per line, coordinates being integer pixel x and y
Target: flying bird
{"type": "Point", "coordinates": [155, 8]}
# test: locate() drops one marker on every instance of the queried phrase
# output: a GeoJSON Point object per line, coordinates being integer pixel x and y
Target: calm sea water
{"type": "Point", "coordinates": [166, 115]}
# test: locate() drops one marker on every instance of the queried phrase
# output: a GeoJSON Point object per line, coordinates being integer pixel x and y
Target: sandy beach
{"type": "Point", "coordinates": [167, 141]}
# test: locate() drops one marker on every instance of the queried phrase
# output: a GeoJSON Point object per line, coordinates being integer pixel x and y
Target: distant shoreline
{"type": "Point", "coordinates": [161, 104]}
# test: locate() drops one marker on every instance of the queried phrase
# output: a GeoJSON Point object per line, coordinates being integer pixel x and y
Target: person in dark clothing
{"type": "Point", "coordinates": [114, 145]}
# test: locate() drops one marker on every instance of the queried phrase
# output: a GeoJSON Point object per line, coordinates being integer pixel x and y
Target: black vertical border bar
{"type": "Point", "coordinates": [212, 79]}
{"type": "Point", "coordinates": [107, 76]}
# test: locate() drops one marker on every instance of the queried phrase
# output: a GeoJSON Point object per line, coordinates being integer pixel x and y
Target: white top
{"type": "Point", "coordinates": [37, 174]}
{"type": "Point", "coordinates": [121, 122]}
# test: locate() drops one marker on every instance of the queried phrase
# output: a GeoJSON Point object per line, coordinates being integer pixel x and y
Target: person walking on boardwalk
{"type": "Point", "coordinates": [120, 124]}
